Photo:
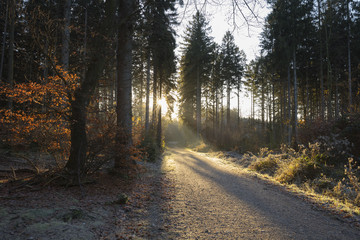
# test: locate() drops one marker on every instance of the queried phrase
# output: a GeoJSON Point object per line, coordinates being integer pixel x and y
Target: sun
{"type": "Point", "coordinates": [163, 104]}
{"type": "Point", "coordinates": [164, 108]}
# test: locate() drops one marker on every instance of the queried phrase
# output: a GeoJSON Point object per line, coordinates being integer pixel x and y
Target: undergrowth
{"type": "Point", "coordinates": [325, 167]}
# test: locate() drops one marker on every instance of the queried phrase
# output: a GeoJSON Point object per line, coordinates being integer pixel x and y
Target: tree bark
{"type": "Point", "coordinates": [307, 105]}
{"type": "Point", "coordinates": [153, 119]}
{"type": "Point", "coordinates": [198, 103]}
{"type": "Point", "coordinates": [238, 104]}
{"type": "Point", "coordinates": [329, 73]}
{"type": "Point", "coordinates": [216, 128]}
{"type": "Point", "coordinates": [12, 7]}
{"type": "Point", "coordinates": [4, 40]}
{"type": "Point", "coordinates": [66, 36]}
{"type": "Point", "coordinates": [77, 158]}
{"type": "Point", "coordinates": [82, 96]}
{"type": "Point", "coordinates": [349, 56]}
{"type": "Point", "coordinates": [147, 100]}
{"type": "Point", "coordinates": [263, 107]}
{"type": "Point", "coordinates": [289, 107]}
{"type": "Point", "coordinates": [228, 91]}
{"type": "Point", "coordinates": [336, 97]}
{"type": "Point", "coordinates": [124, 69]}
{"type": "Point", "coordinates": [322, 104]}
{"type": "Point", "coordinates": [295, 99]}
{"type": "Point", "coordinates": [85, 38]}
{"type": "Point", "coordinates": [159, 127]}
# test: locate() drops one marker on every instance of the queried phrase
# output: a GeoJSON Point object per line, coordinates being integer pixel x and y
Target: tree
{"type": "Point", "coordinates": [124, 84]}
{"type": "Point", "coordinates": [4, 40]}
{"type": "Point", "coordinates": [195, 68]}
{"type": "Point", "coordinates": [65, 51]}
{"type": "Point", "coordinates": [231, 68]}
{"type": "Point", "coordinates": [162, 45]}
{"type": "Point", "coordinates": [97, 57]}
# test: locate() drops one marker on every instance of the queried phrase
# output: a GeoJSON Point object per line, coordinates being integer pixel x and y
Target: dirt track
{"type": "Point", "coordinates": [214, 200]}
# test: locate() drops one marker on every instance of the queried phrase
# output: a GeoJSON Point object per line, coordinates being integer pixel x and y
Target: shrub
{"type": "Point", "coordinates": [268, 164]}
{"type": "Point", "coordinates": [148, 144]}
{"type": "Point", "coordinates": [40, 114]}
{"type": "Point", "coordinates": [323, 184]}
{"type": "Point", "coordinates": [298, 170]}
{"type": "Point", "coordinates": [353, 180]}
{"type": "Point", "coordinates": [332, 149]}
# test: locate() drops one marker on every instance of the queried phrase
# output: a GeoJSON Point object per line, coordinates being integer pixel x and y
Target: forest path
{"type": "Point", "coordinates": [215, 200]}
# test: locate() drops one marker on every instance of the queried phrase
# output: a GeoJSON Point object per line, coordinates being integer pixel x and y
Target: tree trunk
{"type": "Point", "coordinates": [238, 104]}
{"type": "Point", "coordinates": [307, 105]}
{"type": "Point", "coordinates": [45, 73]}
{"type": "Point", "coordinates": [252, 106]}
{"type": "Point", "coordinates": [322, 104]}
{"type": "Point", "coordinates": [228, 91]}
{"type": "Point", "coordinates": [159, 130]}
{"type": "Point", "coordinates": [4, 40]}
{"type": "Point", "coordinates": [295, 99]}
{"type": "Point", "coordinates": [147, 100]}
{"type": "Point", "coordinates": [82, 96]}
{"type": "Point", "coordinates": [12, 7]}
{"type": "Point", "coordinates": [216, 128]}
{"type": "Point", "coordinates": [141, 94]}
{"type": "Point", "coordinates": [78, 149]}
{"type": "Point", "coordinates": [198, 103]}
{"type": "Point", "coordinates": [66, 36]}
{"type": "Point", "coordinates": [349, 56]}
{"type": "Point", "coordinates": [262, 107]}
{"type": "Point", "coordinates": [124, 68]}
{"type": "Point", "coordinates": [206, 116]}
{"type": "Point", "coordinates": [289, 107]}
{"type": "Point", "coordinates": [283, 110]}
{"type": "Point", "coordinates": [221, 114]}
{"type": "Point", "coordinates": [329, 74]}
{"type": "Point", "coordinates": [153, 119]}
{"type": "Point", "coordinates": [336, 97]}
{"type": "Point", "coordinates": [85, 38]}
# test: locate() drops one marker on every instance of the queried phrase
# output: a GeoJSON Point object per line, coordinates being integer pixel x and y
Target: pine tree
{"type": "Point", "coordinates": [195, 68]}
{"type": "Point", "coordinates": [232, 67]}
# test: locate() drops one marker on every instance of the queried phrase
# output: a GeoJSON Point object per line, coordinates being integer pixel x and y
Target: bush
{"type": "Point", "coordinates": [298, 170]}
{"type": "Point", "coordinates": [332, 149]}
{"type": "Point", "coordinates": [150, 147]}
{"type": "Point", "coordinates": [268, 164]}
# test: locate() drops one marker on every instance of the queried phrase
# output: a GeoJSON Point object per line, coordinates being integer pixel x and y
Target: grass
{"type": "Point", "coordinates": [307, 178]}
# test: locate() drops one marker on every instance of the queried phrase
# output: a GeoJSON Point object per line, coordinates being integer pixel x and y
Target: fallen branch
{"type": "Point", "coordinates": [30, 162]}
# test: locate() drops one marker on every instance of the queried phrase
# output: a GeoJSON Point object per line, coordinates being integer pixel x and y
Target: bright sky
{"type": "Point", "coordinates": [221, 19]}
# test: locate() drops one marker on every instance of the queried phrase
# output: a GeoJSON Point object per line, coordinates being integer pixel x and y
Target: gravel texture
{"type": "Point", "coordinates": [214, 200]}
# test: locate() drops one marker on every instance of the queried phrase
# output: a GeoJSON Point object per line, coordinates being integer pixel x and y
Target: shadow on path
{"type": "Point", "coordinates": [282, 209]}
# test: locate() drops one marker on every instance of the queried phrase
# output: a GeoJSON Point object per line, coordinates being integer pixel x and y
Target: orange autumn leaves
{"type": "Point", "coordinates": [40, 110]}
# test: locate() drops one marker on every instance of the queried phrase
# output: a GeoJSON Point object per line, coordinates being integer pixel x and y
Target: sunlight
{"type": "Point", "coordinates": [175, 113]}
{"type": "Point", "coordinates": [163, 104]}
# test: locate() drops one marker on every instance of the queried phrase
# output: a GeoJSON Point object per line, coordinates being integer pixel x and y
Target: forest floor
{"type": "Point", "coordinates": [94, 211]}
{"type": "Point", "coordinates": [188, 195]}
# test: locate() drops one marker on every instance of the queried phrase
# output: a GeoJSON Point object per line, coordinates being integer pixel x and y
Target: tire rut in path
{"type": "Point", "coordinates": [213, 200]}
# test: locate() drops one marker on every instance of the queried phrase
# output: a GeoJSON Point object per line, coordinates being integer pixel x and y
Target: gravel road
{"type": "Point", "coordinates": [215, 200]}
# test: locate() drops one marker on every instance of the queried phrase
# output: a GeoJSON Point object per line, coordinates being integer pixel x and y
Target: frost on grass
{"type": "Point", "coordinates": [324, 166]}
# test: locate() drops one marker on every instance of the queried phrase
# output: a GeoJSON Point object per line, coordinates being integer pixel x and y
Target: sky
{"type": "Point", "coordinates": [221, 19]}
